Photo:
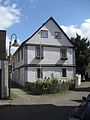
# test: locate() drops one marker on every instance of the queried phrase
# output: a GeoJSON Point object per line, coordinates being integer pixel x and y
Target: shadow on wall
{"type": "Point", "coordinates": [35, 112]}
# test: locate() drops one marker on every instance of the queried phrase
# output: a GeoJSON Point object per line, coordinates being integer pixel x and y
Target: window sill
{"type": "Point", "coordinates": [63, 77]}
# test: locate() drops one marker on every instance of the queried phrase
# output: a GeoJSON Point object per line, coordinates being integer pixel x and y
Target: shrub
{"type": "Point", "coordinates": [47, 86]}
{"type": "Point", "coordinates": [72, 84]}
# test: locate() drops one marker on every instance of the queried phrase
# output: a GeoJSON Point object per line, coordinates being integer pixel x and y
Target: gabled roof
{"type": "Point", "coordinates": [51, 18]}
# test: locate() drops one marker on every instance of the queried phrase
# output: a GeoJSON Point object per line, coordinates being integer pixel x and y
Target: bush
{"type": "Point", "coordinates": [47, 86]}
{"type": "Point", "coordinates": [72, 84]}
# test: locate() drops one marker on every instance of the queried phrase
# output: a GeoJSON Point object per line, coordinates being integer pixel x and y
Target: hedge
{"type": "Point", "coordinates": [48, 86]}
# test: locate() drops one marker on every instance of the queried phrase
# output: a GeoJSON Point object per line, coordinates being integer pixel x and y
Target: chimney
{"type": "Point", "coordinates": [2, 44]}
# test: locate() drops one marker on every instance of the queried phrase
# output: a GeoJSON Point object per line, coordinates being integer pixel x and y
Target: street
{"type": "Point", "coordinates": [44, 107]}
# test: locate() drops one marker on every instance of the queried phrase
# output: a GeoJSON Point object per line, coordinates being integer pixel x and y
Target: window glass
{"type": "Point", "coordinates": [39, 73]}
{"type": "Point", "coordinates": [39, 52]}
{"type": "Point", "coordinates": [63, 53]}
{"type": "Point", "coordinates": [44, 33]}
{"type": "Point", "coordinates": [57, 35]}
{"type": "Point", "coordinates": [64, 74]}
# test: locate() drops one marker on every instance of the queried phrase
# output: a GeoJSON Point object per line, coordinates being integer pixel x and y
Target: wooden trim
{"type": "Point", "coordinates": [46, 45]}
{"type": "Point", "coordinates": [45, 65]}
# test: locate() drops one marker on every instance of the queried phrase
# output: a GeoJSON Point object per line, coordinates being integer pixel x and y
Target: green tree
{"type": "Point", "coordinates": [82, 53]}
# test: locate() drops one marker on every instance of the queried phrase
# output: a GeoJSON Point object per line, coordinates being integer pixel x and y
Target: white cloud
{"type": "Point", "coordinates": [9, 14]}
{"type": "Point", "coordinates": [83, 30]}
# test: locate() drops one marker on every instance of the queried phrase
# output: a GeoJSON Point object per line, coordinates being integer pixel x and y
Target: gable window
{"type": "Point", "coordinates": [57, 35]}
{"type": "Point", "coordinates": [39, 73]}
{"type": "Point", "coordinates": [44, 34]}
{"type": "Point", "coordinates": [64, 73]}
{"type": "Point", "coordinates": [63, 54]}
{"type": "Point", "coordinates": [39, 52]}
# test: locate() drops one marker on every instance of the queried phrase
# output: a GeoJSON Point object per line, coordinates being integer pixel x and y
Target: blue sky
{"type": "Point", "coordinates": [24, 17]}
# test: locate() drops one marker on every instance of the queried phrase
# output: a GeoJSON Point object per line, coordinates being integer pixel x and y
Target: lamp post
{"type": "Point", "coordinates": [15, 44]}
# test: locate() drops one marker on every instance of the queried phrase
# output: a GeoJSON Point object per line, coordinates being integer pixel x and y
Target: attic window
{"type": "Point", "coordinates": [44, 34]}
{"type": "Point", "coordinates": [57, 35]}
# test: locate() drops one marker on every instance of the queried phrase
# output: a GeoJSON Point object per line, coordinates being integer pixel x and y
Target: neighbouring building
{"type": "Point", "coordinates": [49, 50]}
{"type": "Point", "coordinates": [3, 66]}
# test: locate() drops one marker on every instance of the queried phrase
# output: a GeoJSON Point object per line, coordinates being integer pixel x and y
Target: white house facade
{"type": "Point", "coordinates": [47, 51]}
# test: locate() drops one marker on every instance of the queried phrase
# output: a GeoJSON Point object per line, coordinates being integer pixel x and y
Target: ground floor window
{"type": "Point", "coordinates": [39, 73]}
{"type": "Point", "coordinates": [64, 72]}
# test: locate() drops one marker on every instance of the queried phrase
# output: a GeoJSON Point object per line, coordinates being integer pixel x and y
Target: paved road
{"type": "Point", "coordinates": [45, 107]}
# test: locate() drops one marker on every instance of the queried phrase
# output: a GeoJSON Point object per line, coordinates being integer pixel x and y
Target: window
{"type": "Point", "coordinates": [64, 74]}
{"type": "Point", "coordinates": [22, 53]}
{"type": "Point", "coordinates": [18, 56]}
{"type": "Point", "coordinates": [39, 52]}
{"type": "Point", "coordinates": [57, 35]}
{"type": "Point", "coordinates": [64, 54]}
{"type": "Point", "coordinates": [39, 73]}
{"type": "Point", "coordinates": [44, 34]}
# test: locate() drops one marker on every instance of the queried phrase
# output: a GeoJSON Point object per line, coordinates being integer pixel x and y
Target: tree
{"type": "Point", "coordinates": [82, 53]}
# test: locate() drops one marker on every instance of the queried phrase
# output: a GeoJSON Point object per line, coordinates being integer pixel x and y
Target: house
{"type": "Point", "coordinates": [49, 50]}
{"type": "Point", "coordinates": [3, 66]}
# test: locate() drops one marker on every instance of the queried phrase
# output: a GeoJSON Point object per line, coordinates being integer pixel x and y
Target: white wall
{"type": "Point", "coordinates": [18, 76]}
{"type": "Point", "coordinates": [51, 56]}
{"type": "Point", "coordinates": [47, 71]}
{"type": "Point", "coordinates": [51, 27]}
{"type": "Point", "coordinates": [21, 61]}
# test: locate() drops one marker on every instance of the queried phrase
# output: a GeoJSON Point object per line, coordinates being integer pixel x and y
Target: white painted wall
{"type": "Point", "coordinates": [21, 62]}
{"type": "Point", "coordinates": [18, 76]}
{"type": "Point", "coordinates": [47, 71]}
{"type": "Point", "coordinates": [51, 56]}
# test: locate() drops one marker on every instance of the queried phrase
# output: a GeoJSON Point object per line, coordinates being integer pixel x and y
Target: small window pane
{"type": "Point", "coordinates": [18, 56]}
{"type": "Point", "coordinates": [39, 52]}
{"type": "Point", "coordinates": [63, 53]}
{"type": "Point", "coordinates": [57, 35]}
{"type": "Point", "coordinates": [22, 53]}
{"type": "Point", "coordinates": [44, 33]}
{"type": "Point", "coordinates": [39, 73]}
{"type": "Point", "coordinates": [64, 72]}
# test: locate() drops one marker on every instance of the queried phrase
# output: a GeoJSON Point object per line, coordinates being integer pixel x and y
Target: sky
{"type": "Point", "coordinates": [24, 17]}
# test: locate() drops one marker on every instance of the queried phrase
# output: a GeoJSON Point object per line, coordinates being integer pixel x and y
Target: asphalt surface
{"type": "Point", "coordinates": [44, 107]}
